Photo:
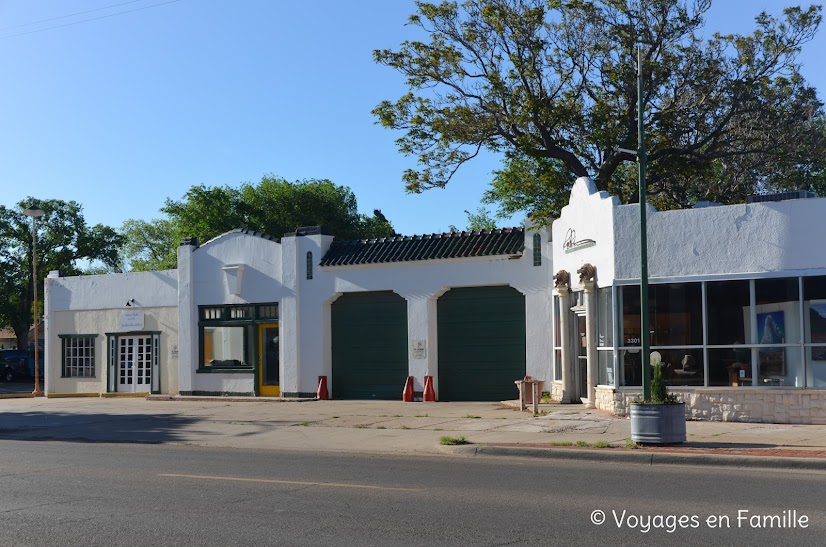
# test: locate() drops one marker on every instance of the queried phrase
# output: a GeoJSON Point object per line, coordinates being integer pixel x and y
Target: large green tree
{"type": "Point", "coordinates": [272, 206]}
{"type": "Point", "coordinates": [148, 245]}
{"type": "Point", "coordinates": [551, 85]}
{"type": "Point", "coordinates": [64, 242]}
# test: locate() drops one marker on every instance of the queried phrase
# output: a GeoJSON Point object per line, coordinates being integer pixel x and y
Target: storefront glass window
{"type": "Point", "coordinates": [228, 335]}
{"type": "Point", "coordinates": [605, 335]}
{"type": "Point", "coordinates": [676, 314]}
{"type": "Point", "coordinates": [557, 342]}
{"type": "Point", "coordinates": [814, 318]}
{"type": "Point", "coordinates": [629, 352]}
{"type": "Point", "coordinates": [777, 315]}
{"type": "Point", "coordinates": [224, 346]}
{"type": "Point", "coordinates": [728, 311]}
{"type": "Point", "coordinates": [675, 323]}
{"type": "Point", "coordinates": [606, 367]}
{"type": "Point", "coordinates": [605, 318]}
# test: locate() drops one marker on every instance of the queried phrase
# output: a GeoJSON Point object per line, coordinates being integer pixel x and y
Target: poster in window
{"type": "Point", "coordinates": [771, 328]}
{"type": "Point", "coordinates": [772, 363]}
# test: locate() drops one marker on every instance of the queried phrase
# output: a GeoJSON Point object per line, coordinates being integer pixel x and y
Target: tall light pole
{"type": "Point", "coordinates": [642, 158]}
{"type": "Point", "coordinates": [35, 212]}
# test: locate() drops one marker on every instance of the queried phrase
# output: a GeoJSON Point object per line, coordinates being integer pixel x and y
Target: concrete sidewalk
{"type": "Point", "coordinates": [562, 431]}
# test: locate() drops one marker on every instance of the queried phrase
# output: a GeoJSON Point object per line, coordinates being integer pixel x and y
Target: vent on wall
{"type": "Point", "coordinates": [782, 196]}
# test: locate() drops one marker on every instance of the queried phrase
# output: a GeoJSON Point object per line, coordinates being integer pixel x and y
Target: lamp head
{"type": "Point", "coordinates": [34, 211]}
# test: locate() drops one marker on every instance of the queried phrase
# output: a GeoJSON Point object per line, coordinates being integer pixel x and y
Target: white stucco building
{"type": "Point", "coordinates": [737, 305]}
{"type": "Point", "coordinates": [247, 314]}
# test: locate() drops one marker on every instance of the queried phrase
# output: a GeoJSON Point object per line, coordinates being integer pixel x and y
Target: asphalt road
{"type": "Point", "coordinates": [68, 493]}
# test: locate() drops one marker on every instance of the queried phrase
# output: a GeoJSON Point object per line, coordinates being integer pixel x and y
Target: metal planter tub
{"type": "Point", "coordinates": [658, 424]}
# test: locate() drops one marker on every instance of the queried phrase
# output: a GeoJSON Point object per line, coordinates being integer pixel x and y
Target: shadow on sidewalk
{"type": "Point", "coordinates": [103, 428]}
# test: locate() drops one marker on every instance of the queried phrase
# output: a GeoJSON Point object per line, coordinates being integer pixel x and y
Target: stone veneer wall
{"type": "Point", "coordinates": [733, 405]}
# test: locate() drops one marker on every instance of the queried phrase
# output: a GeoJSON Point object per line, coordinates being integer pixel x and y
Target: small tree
{"type": "Point", "coordinates": [659, 389]}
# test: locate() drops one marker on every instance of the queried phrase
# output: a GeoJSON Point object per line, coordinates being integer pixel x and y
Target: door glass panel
{"type": "Point", "coordinates": [582, 358]}
{"type": "Point", "coordinates": [270, 356]}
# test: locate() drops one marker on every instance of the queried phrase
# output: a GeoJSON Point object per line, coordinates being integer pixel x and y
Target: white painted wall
{"type": "Point", "coordinates": [711, 241]}
{"type": "Point", "coordinates": [724, 240]}
{"type": "Point", "coordinates": [262, 282]}
{"type": "Point", "coordinates": [590, 215]}
{"type": "Point", "coordinates": [101, 322]}
{"type": "Point", "coordinates": [92, 305]}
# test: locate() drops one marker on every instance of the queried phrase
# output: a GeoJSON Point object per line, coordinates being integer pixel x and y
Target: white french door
{"type": "Point", "coordinates": [134, 364]}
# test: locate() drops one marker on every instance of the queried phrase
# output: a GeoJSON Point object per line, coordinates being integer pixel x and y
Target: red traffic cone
{"type": "Point", "coordinates": [429, 394]}
{"type": "Point", "coordinates": [407, 394]}
{"type": "Point", "coordinates": [322, 394]}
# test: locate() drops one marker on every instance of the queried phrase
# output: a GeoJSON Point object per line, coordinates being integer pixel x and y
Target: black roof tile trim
{"type": "Point", "coordinates": [505, 241]}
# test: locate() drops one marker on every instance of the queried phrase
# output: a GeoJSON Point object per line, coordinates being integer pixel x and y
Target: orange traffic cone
{"type": "Point", "coordinates": [429, 394]}
{"type": "Point", "coordinates": [322, 394]}
{"type": "Point", "coordinates": [407, 394]}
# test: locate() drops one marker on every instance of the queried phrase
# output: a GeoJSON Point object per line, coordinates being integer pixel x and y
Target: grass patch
{"type": "Point", "coordinates": [630, 444]}
{"type": "Point", "coordinates": [304, 424]}
{"type": "Point", "coordinates": [381, 427]}
{"type": "Point", "coordinates": [438, 429]}
{"type": "Point", "coordinates": [474, 416]}
{"type": "Point", "coordinates": [601, 444]}
{"type": "Point", "coordinates": [421, 415]}
{"type": "Point", "coordinates": [453, 440]}
{"type": "Point", "coordinates": [360, 426]}
{"type": "Point", "coordinates": [561, 443]}
{"type": "Point", "coordinates": [580, 443]}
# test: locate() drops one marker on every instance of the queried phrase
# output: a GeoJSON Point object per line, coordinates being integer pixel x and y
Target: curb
{"type": "Point", "coordinates": [163, 397]}
{"type": "Point", "coordinates": [640, 457]}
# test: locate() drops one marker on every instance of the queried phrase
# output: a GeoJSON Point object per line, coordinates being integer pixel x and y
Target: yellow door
{"type": "Point", "coordinates": [268, 369]}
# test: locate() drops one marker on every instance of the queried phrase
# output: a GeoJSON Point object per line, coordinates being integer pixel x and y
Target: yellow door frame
{"type": "Point", "coordinates": [265, 391]}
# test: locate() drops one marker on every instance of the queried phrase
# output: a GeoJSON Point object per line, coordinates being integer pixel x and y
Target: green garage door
{"type": "Point", "coordinates": [369, 346]}
{"type": "Point", "coordinates": [481, 343]}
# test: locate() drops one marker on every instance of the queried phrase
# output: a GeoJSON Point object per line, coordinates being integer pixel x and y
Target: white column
{"type": "Point", "coordinates": [565, 339]}
{"type": "Point", "coordinates": [591, 342]}
{"type": "Point", "coordinates": [421, 339]}
{"type": "Point", "coordinates": [187, 317]}
{"type": "Point", "coordinates": [288, 320]}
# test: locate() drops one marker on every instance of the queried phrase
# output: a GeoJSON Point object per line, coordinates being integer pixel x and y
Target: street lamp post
{"type": "Point", "coordinates": [642, 158]}
{"type": "Point", "coordinates": [35, 212]}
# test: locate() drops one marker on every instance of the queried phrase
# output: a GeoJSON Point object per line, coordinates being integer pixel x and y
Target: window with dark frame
{"type": "Point", "coordinates": [537, 250]}
{"type": "Point", "coordinates": [227, 334]}
{"type": "Point", "coordinates": [309, 265]}
{"type": "Point", "coordinates": [78, 355]}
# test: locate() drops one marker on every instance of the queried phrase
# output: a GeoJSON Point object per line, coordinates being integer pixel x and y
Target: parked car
{"type": "Point", "coordinates": [13, 366]}
{"type": "Point", "coordinates": [30, 360]}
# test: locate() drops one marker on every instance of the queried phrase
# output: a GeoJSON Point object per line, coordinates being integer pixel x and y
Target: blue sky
{"type": "Point", "coordinates": [124, 111]}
